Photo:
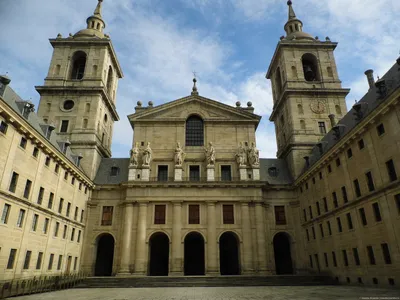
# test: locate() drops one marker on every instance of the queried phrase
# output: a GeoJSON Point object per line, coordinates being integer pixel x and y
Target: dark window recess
{"type": "Point", "coordinates": [27, 189]}
{"type": "Point", "coordinates": [39, 261]}
{"type": "Point", "coordinates": [361, 144]}
{"type": "Point", "coordinates": [280, 217]}
{"type": "Point", "coordinates": [114, 172]}
{"type": "Point", "coordinates": [306, 185]}
{"type": "Point", "coordinates": [194, 173]}
{"type": "Point", "coordinates": [27, 259]}
{"type": "Point", "coordinates": [391, 170]}
{"type": "Point", "coordinates": [329, 227]}
{"type": "Point", "coordinates": [375, 280]}
{"type": "Point", "coordinates": [391, 281]}
{"type": "Point", "coordinates": [338, 162]}
{"type": "Point", "coordinates": [162, 174]}
{"type": "Point", "coordinates": [107, 216]}
{"type": "Point", "coordinates": [329, 169]}
{"type": "Point", "coordinates": [397, 199]}
{"type": "Point", "coordinates": [78, 66]}
{"type": "Point", "coordinates": [386, 254]}
{"type": "Point", "coordinates": [318, 209]}
{"type": "Point", "coordinates": [305, 214]}
{"type": "Point", "coordinates": [371, 255]}
{"type": "Point", "coordinates": [349, 153]}
{"type": "Point", "coordinates": [59, 262]}
{"type": "Point", "coordinates": [377, 212]}
{"type": "Point", "coordinates": [335, 200]}
{"type": "Point", "coordinates": [65, 231]}
{"type": "Point", "coordinates": [40, 196]}
{"type": "Point", "coordinates": [345, 259]}
{"type": "Point", "coordinates": [159, 214]}
{"type": "Point", "coordinates": [35, 152]}
{"type": "Point", "coordinates": [320, 175]}
{"type": "Point", "coordinates": [13, 183]}
{"type": "Point", "coordinates": [344, 194]}
{"type": "Point", "coordinates": [194, 214]}
{"type": "Point", "coordinates": [311, 262]}
{"type": "Point", "coordinates": [60, 205]}
{"type": "Point", "coordinates": [194, 131]}
{"type": "Point", "coordinates": [322, 127]}
{"type": "Point", "coordinates": [380, 129]}
{"type": "Point", "coordinates": [313, 232]}
{"type": "Point", "coordinates": [310, 210]}
{"type": "Point", "coordinates": [228, 214]}
{"type": "Point", "coordinates": [47, 161]}
{"type": "Point", "coordinates": [356, 257]}
{"type": "Point", "coordinates": [326, 259]}
{"type": "Point", "coordinates": [349, 221]}
{"type": "Point", "coordinates": [51, 199]}
{"type": "Point", "coordinates": [66, 175]}
{"type": "Point", "coordinates": [226, 173]}
{"type": "Point", "coordinates": [301, 189]}
{"type": "Point", "coordinates": [370, 182]}
{"type": "Point", "coordinates": [3, 127]}
{"type": "Point", "coordinates": [363, 216]}
{"type": "Point", "coordinates": [308, 235]}
{"type": "Point", "coordinates": [68, 209]}
{"type": "Point", "coordinates": [73, 180]}
{"type": "Point", "coordinates": [357, 188]}
{"type": "Point", "coordinates": [64, 126]}
{"type": "Point", "coordinates": [313, 180]}
{"type": "Point", "coordinates": [76, 213]}
{"type": "Point", "coordinates": [23, 142]}
{"type": "Point", "coordinates": [339, 224]}
{"type": "Point", "coordinates": [334, 259]}
{"type": "Point", "coordinates": [51, 259]}
{"type": "Point", "coordinates": [325, 204]}
{"type": "Point", "coordinates": [321, 229]}
{"type": "Point", "coordinates": [11, 259]}
{"type": "Point", "coordinates": [56, 229]}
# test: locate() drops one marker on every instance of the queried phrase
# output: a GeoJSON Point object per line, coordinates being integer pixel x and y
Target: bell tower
{"type": "Point", "coordinates": [79, 93]}
{"type": "Point", "coordinates": [307, 92]}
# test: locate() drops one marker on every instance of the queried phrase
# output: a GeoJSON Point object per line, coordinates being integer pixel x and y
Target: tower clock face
{"type": "Point", "coordinates": [317, 106]}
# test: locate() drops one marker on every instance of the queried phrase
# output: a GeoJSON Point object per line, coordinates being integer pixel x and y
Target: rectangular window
{"type": "Point", "coordinates": [308, 235]}
{"type": "Point", "coordinates": [371, 255]}
{"type": "Point", "coordinates": [344, 194]}
{"type": "Point", "coordinates": [11, 259]}
{"type": "Point", "coordinates": [320, 175]}
{"type": "Point", "coordinates": [361, 144]}
{"type": "Point", "coordinates": [46, 225]}
{"type": "Point", "coordinates": [339, 224]}
{"type": "Point", "coordinates": [40, 196]}
{"type": "Point", "coordinates": [226, 173]}
{"type": "Point", "coordinates": [321, 229]}
{"type": "Point", "coordinates": [162, 174]}
{"type": "Point", "coordinates": [79, 237]}
{"type": "Point", "coordinates": [311, 262]}
{"type": "Point", "coordinates": [75, 263]}
{"type": "Point", "coordinates": [322, 127]}
{"type": "Point", "coordinates": [56, 229]}
{"type": "Point", "coordinates": [51, 259]}
{"type": "Point", "coordinates": [356, 257]}
{"type": "Point", "coordinates": [391, 170]}
{"type": "Point", "coordinates": [68, 209]}
{"type": "Point", "coordinates": [66, 175]}
{"type": "Point", "coordinates": [310, 211]}
{"type": "Point", "coordinates": [80, 186]}
{"type": "Point", "coordinates": [47, 161]}
{"type": "Point", "coordinates": [397, 200]}
{"type": "Point", "coordinates": [82, 212]}
{"type": "Point", "coordinates": [59, 262]}
{"type": "Point", "coordinates": [313, 232]}
{"type": "Point", "coordinates": [363, 216]}
{"type": "Point", "coordinates": [13, 183]}
{"type": "Point", "coordinates": [21, 217]}
{"type": "Point", "coordinates": [306, 185]}
{"type": "Point", "coordinates": [329, 169]}
{"type": "Point", "coordinates": [318, 208]}
{"type": "Point", "coordinates": [304, 215]}
{"type": "Point", "coordinates": [357, 188]}
{"type": "Point", "coordinates": [39, 261]}
{"type": "Point", "coordinates": [380, 129]}
{"type": "Point", "coordinates": [228, 214]}
{"type": "Point", "coordinates": [194, 173]}
{"type": "Point", "coordinates": [34, 222]}
{"type": "Point", "coordinates": [349, 221]}
{"type": "Point", "coordinates": [76, 213]}
{"type": "Point", "coordinates": [60, 205]}
{"type": "Point", "coordinates": [313, 180]}
{"type": "Point", "coordinates": [27, 259]}
{"type": "Point", "coordinates": [72, 234]}
{"type": "Point", "coordinates": [64, 126]}
{"type": "Point", "coordinates": [345, 259]}
{"type": "Point", "coordinates": [334, 259]}
{"type": "Point", "coordinates": [23, 142]}
{"type": "Point", "coordinates": [57, 168]}
{"type": "Point", "coordinates": [280, 217]}
{"type": "Point", "coordinates": [335, 200]}
{"type": "Point", "coordinates": [325, 204]}
{"type": "Point", "coordinates": [326, 259]}
{"type": "Point", "coordinates": [329, 227]}
{"type": "Point", "coordinates": [27, 190]}
{"type": "Point", "coordinates": [159, 214]}
{"type": "Point", "coordinates": [51, 199]}
{"type": "Point", "coordinates": [349, 153]}
{"type": "Point", "coordinates": [377, 212]}
{"type": "Point", "coordinates": [6, 213]}
{"type": "Point", "coordinates": [3, 127]}
{"type": "Point", "coordinates": [107, 216]}
{"type": "Point", "coordinates": [35, 152]}
{"type": "Point", "coordinates": [386, 254]}
{"type": "Point", "coordinates": [194, 214]}
{"type": "Point", "coordinates": [338, 162]}
{"type": "Point", "coordinates": [65, 232]}
{"type": "Point", "coordinates": [370, 182]}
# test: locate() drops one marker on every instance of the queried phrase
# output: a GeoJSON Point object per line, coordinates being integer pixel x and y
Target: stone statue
{"type": "Point", "coordinates": [179, 155]}
{"type": "Point", "coordinates": [253, 155]}
{"type": "Point", "coordinates": [134, 155]}
{"type": "Point", "coordinates": [147, 153]}
{"type": "Point", "coordinates": [210, 154]}
{"type": "Point", "coordinates": [241, 155]}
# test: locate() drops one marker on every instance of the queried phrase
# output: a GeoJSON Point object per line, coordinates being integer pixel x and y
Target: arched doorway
{"type": "Point", "coordinates": [104, 255]}
{"type": "Point", "coordinates": [159, 254]}
{"type": "Point", "coordinates": [283, 257]}
{"type": "Point", "coordinates": [229, 263]}
{"type": "Point", "coordinates": [194, 254]}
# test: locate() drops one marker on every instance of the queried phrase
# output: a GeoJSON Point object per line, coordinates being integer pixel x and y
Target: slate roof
{"type": "Point", "coordinates": [283, 176]}
{"type": "Point", "coordinates": [368, 103]}
{"type": "Point", "coordinates": [103, 175]}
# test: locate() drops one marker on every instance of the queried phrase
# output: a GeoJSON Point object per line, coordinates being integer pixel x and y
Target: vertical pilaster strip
{"type": "Point", "coordinates": [127, 240]}
{"type": "Point", "coordinates": [212, 265]}
{"type": "Point", "coordinates": [141, 257]}
{"type": "Point", "coordinates": [261, 245]}
{"type": "Point", "coordinates": [177, 258]}
{"type": "Point", "coordinates": [246, 234]}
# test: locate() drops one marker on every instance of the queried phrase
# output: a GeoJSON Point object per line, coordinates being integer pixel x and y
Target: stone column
{"type": "Point", "coordinates": [177, 258]}
{"type": "Point", "coordinates": [141, 256]}
{"type": "Point", "coordinates": [212, 264]}
{"type": "Point", "coordinates": [246, 233]}
{"type": "Point", "coordinates": [126, 241]}
{"type": "Point", "coordinates": [261, 245]}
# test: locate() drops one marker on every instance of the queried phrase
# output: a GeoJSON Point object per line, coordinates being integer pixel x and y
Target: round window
{"type": "Point", "coordinates": [69, 104]}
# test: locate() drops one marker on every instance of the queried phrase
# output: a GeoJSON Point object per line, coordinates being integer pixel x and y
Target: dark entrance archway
{"type": "Point", "coordinates": [159, 254]}
{"type": "Point", "coordinates": [104, 255]}
{"type": "Point", "coordinates": [283, 257]}
{"type": "Point", "coordinates": [194, 254]}
{"type": "Point", "coordinates": [229, 263]}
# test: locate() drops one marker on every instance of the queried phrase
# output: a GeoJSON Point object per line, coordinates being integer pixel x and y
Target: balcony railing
{"type": "Point", "coordinates": [194, 180]}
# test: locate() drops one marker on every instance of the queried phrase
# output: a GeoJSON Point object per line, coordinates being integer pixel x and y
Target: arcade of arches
{"type": "Point", "coordinates": [194, 254]}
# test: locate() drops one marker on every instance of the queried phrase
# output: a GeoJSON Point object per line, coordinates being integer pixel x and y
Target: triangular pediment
{"type": "Point", "coordinates": [181, 109]}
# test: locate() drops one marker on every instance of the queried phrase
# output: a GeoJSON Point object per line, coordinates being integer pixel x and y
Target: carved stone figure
{"type": "Point", "coordinates": [134, 161]}
{"type": "Point", "coordinates": [210, 154]}
{"type": "Point", "coordinates": [253, 155]}
{"type": "Point", "coordinates": [147, 154]}
{"type": "Point", "coordinates": [241, 155]}
{"type": "Point", "coordinates": [179, 155]}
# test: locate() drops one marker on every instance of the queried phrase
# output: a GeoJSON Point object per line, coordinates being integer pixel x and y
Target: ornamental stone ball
{"type": "Point", "coordinates": [151, 103]}
{"type": "Point", "coordinates": [249, 104]}
{"type": "Point", "coordinates": [139, 103]}
{"type": "Point", "coordinates": [238, 104]}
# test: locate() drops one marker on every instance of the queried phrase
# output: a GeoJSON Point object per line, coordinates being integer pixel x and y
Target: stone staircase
{"type": "Point", "coordinates": [205, 281]}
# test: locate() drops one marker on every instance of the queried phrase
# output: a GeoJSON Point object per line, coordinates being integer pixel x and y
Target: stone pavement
{"type": "Point", "coordinates": [223, 293]}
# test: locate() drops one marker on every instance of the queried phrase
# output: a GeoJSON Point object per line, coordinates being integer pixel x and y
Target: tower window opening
{"type": "Point", "coordinates": [78, 65]}
{"type": "Point", "coordinates": [98, 26]}
{"type": "Point", "coordinates": [300, 109]}
{"type": "Point", "coordinates": [278, 81]}
{"type": "Point", "coordinates": [57, 70]}
{"type": "Point", "coordinates": [310, 67]}
{"type": "Point", "coordinates": [291, 28]}
{"type": "Point", "coordinates": [110, 80]}
{"type": "Point", "coordinates": [92, 24]}
{"type": "Point", "coordinates": [302, 124]}
{"type": "Point", "coordinates": [297, 27]}
{"type": "Point", "coordinates": [85, 123]}
{"type": "Point", "coordinates": [330, 72]}
{"type": "Point", "coordinates": [105, 118]}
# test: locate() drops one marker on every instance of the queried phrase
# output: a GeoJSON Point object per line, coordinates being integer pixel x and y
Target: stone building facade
{"type": "Point", "coordinates": [194, 198]}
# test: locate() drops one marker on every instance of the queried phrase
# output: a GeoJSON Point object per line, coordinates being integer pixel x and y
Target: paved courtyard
{"type": "Point", "coordinates": [224, 293]}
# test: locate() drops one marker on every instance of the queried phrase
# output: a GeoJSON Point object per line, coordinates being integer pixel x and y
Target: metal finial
{"type": "Point", "coordinates": [289, 2]}
{"type": "Point", "coordinates": [194, 89]}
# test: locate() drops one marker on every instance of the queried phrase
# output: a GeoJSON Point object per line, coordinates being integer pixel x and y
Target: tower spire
{"type": "Point", "coordinates": [292, 14]}
{"type": "Point", "coordinates": [97, 11]}
{"type": "Point", "coordinates": [294, 27]}
{"type": "Point", "coordinates": [95, 24]}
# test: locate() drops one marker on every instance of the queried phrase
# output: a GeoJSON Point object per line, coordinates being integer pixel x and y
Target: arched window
{"type": "Point", "coordinates": [194, 131]}
{"type": "Point", "coordinates": [294, 72]}
{"type": "Point", "coordinates": [330, 72]}
{"type": "Point", "coordinates": [300, 109]}
{"type": "Point", "coordinates": [57, 70]}
{"type": "Point", "coordinates": [87, 107]}
{"type": "Point", "coordinates": [302, 124]}
{"type": "Point", "coordinates": [98, 26]}
{"type": "Point", "coordinates": [110, 80]}
{"type": "Point", "coordinates": [85, 123]}
{"type": "Point", "coordinates": [310, 67]}
{"type": "Point", "coordinates": [78, 65]}
{"type": "Point", "coordinates": [278, 81]}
